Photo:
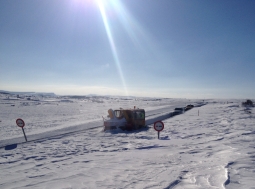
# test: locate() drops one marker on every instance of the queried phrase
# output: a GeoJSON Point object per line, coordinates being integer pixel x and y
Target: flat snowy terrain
{"type": "Point", "coordinates": [209, 146]}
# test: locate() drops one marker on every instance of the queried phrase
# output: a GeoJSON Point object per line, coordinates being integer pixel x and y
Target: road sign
{"type": "Point", "coordinates": [158, 126]}
{"type": "Point", "coordinates": [20, 123]}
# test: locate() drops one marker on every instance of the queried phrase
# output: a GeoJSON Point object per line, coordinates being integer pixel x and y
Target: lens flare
{"type": "Point", "coordinates": [112, 43]}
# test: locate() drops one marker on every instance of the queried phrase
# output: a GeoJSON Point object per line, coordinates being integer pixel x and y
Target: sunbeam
{"type": "Point", "coordinates": [141, 39]}
{"type": "Point", "coordinates": [112, 44]}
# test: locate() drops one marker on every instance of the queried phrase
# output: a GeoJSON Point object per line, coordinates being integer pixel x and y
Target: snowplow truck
{"type": "Point", "coordinates": [125, 119]}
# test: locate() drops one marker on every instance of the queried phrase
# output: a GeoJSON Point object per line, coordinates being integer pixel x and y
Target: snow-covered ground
{"type": "Point", "coordinates": [209, 146]}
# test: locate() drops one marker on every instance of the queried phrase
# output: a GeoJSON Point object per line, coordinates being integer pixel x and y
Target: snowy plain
{"type": "Point", "coordinates": [209, 146]}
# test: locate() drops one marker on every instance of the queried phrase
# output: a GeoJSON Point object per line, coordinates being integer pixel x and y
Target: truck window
{"type": "Point", "coordinates": [139, 115]}
{"type": "Point", "coordinates": [118, 113]}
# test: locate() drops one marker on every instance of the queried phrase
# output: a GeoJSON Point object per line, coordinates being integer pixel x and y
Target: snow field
{"type": "Point", "coordinates": [212, 150]}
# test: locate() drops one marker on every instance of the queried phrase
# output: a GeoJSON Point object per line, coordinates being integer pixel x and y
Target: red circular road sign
{"type": "Point", "coordinates": [20, 122]}
{"type": "Point", "coordinates": [158, 125]}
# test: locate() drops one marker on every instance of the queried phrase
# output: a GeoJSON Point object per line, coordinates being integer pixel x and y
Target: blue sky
{"type": "Point", "coordinates": [152, 48]}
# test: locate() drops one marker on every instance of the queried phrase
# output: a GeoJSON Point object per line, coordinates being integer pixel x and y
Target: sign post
{"type": "Point", "coordinates": [21, 124]}
{"type": "Point", "coordinates": [158, 126]}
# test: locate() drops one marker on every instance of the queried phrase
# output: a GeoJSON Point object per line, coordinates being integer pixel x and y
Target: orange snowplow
{"type": "Point", "coordinates": [125, 119]}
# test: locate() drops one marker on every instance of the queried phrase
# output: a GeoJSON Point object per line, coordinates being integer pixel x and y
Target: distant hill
{"type": "Point", "coordinates": [27, 93]}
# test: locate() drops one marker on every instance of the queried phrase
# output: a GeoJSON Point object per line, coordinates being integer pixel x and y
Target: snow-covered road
{"type": "Point", "coordinates": [54, 116]}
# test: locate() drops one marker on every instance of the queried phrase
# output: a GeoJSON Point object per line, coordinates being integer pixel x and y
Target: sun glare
{"type": "Point", "coordinates": [141, 40]}
{"type": "Point", "coordinates": [112, 43]}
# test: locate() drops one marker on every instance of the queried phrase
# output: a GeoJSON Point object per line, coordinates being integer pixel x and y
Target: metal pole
{"type": "Point", "coordinates": [158, 134]}
{"type": "Point", "coordinates": [24, 134]}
